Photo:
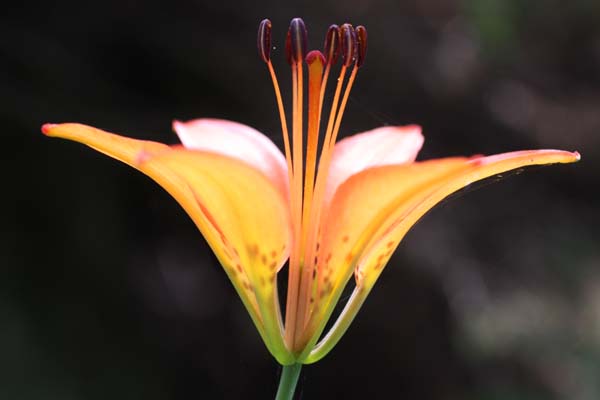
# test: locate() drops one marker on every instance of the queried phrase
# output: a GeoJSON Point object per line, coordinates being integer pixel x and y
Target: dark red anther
{"type": "Point", "coordinates": [295, 43]}
{"type": "Point", "coordinates": [288, 48]}
{"type": "Point", "coordinates": [348, 44]}
{"type": "Point", "coordinates": [263, 42]}
{"type": "Point", "coordinates": [331, 48]}
{"type": "Point", "coordinates": [361, 36]}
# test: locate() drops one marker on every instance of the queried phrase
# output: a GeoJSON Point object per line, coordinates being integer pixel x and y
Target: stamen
{"type": "Point", "coordinates": [264, 50]}
{"type": "Point", "coordinates": [340, 114]}
{"type": "Point", "coordinates": [348, 44]}
{"type": "Point", "coordinates": [349, 49]}
{"type": "Point", "coordinates": [331, 49]}
{"type": "Point", "coordinates": [361, 35]}
{"type": "Point", "coordinates": [263, 42]}
{"type": "Point", "coordinates": [295, 44]}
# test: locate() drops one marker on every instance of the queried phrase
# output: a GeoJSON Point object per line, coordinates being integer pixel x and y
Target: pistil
{"type": "Point", "coordinates": [295, 53]}
{"type": "Point", "coordinates": [315, 61]}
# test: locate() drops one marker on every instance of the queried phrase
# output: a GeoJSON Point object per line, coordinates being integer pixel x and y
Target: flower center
{"type": "Point", "coordinates": [307, 175]}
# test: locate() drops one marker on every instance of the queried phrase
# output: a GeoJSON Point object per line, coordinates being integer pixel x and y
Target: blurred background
{"type": "Point", "coordinates": [108, 291]}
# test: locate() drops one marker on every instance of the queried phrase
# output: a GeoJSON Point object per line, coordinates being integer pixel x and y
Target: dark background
{"type": "Point", "coordinates": [108, 291]}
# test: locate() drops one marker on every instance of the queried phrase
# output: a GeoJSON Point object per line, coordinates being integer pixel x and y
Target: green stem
{"type": "Point", "coordinates": [288, 381]}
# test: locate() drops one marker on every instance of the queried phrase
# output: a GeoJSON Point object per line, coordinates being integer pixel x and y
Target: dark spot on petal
{"type": "Point", "coordinates": [349, 257]}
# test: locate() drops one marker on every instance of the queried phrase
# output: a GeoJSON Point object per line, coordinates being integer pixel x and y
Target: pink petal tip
{"type": "Point", "coordinates": [46, 128]}
{"type": "Point", "coordinates": [176, 123]}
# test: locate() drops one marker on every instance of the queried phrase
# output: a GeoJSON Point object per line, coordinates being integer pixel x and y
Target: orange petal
{"type": "Point", "coordinates": [372, 210]}
{"type": "Point", "coordinates": [238, 210]}
{"type": "Point", "coordinates": [358, 202]}
{"type": "Point", "coordinates": [239, 141]}
{"type": "Point", "coordinates": [382, 146]}
{"type": "Point", "coordinates": [119, 147]}
{"type": "Point", "coordinates": [389, 235]}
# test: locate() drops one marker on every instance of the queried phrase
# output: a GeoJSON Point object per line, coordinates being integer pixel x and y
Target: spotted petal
{"type": "Point", "coordinates": [414, 206]}
{"type": "Point", "coordinates": [242, 215]}
{"type": "Point", "coordinates": [372, 210]}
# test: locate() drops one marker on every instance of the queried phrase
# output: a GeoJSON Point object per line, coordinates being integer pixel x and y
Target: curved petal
{"type": "Point", "coordinates": [382, 146]}
{"type": "Point", "coordinates": [389, 234]}
{"type": "Point", "coordinates": [118, 147]}
{"type": "Point", "coordinates": [372, 210]}
{"type": "Point", "coordinates": [239, 141]}
{"type": "Point", "coordinates": [243, 217]}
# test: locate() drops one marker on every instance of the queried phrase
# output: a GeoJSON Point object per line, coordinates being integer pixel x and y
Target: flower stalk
{"type": "Point", "coordinates": [288, 381]}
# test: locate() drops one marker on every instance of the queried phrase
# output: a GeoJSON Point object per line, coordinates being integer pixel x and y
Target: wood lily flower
{"type": "Point", "coordinates": [334, 211]}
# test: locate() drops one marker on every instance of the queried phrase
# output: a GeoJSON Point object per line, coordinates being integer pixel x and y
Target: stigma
{"type": "Point", "coordinates": [310, 132]}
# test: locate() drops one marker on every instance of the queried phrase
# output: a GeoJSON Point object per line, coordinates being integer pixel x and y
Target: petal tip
{"type": "Point", "coordinates": [414, 127]}
{"type": "Point", "coordinates": [46, 128]}
{"type": "Point", "coordinates": [577, 155]}
{"type": "Point", "coordinates": [176, 124]}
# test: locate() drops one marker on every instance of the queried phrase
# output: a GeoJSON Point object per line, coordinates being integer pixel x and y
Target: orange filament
{"type": "Point", "coordinates": [284, 128]}
{"type": "Point", "coordinates": [296, 206]}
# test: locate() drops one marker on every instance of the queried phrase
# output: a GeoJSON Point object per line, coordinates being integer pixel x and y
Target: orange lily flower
{"type": "Point", "coordinates": [333, 215]}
